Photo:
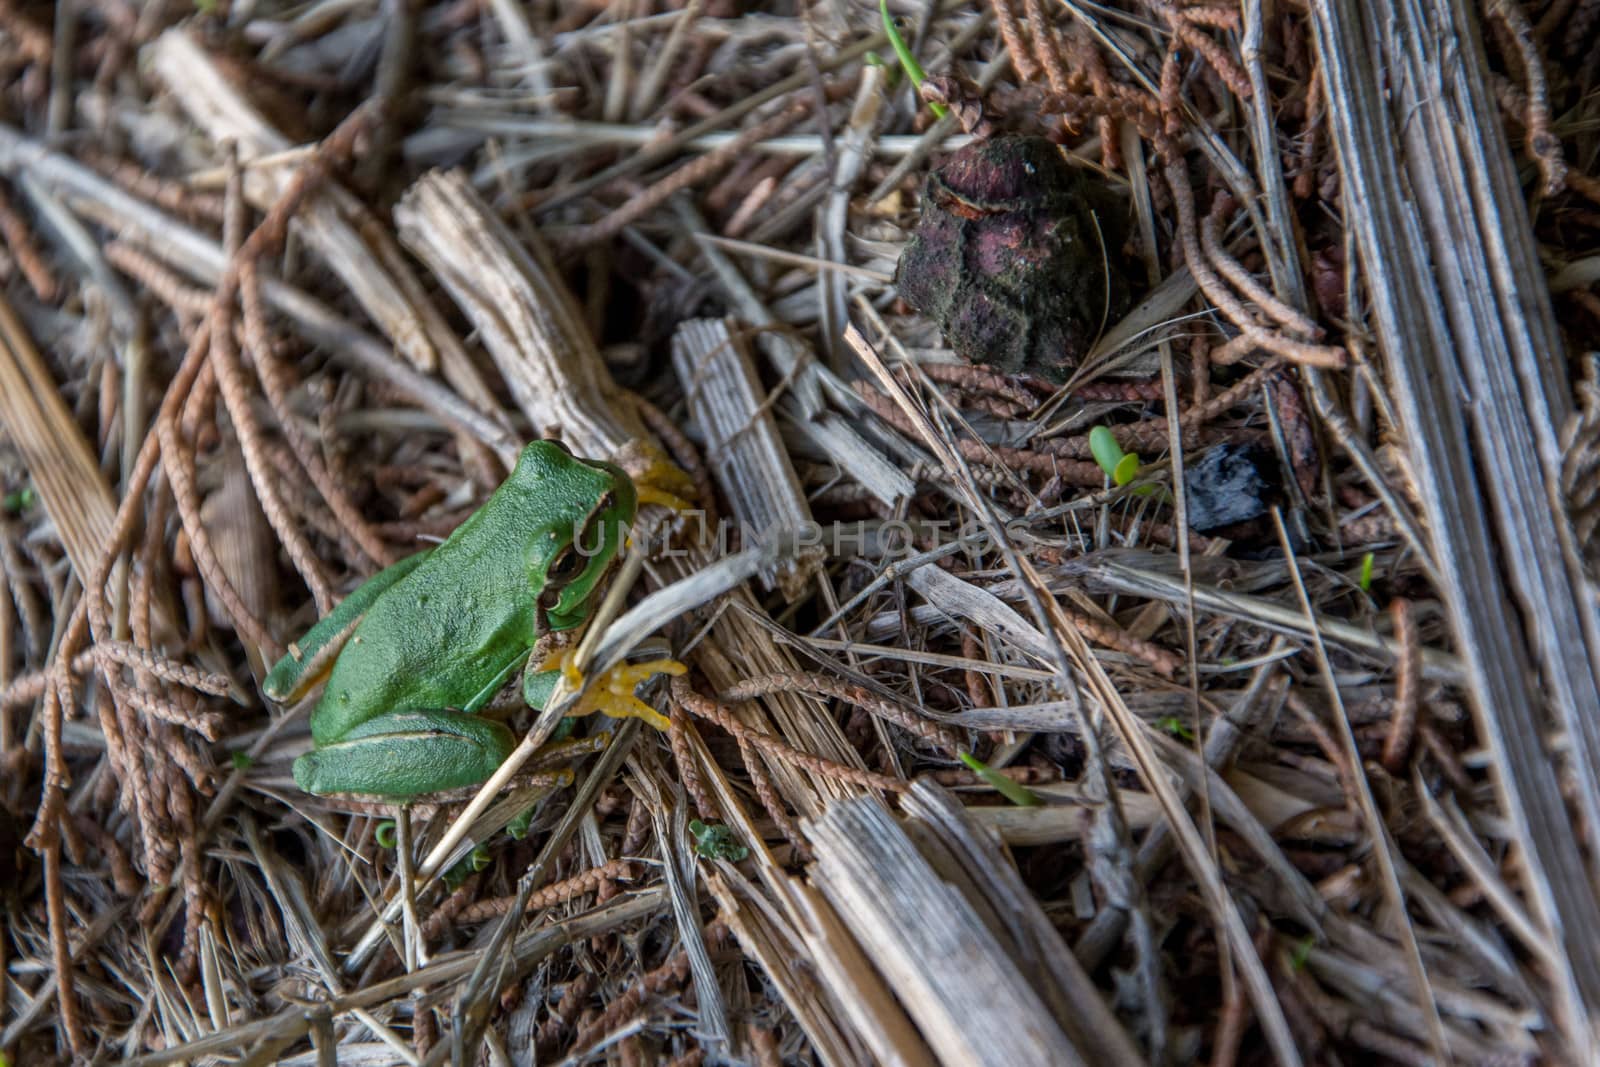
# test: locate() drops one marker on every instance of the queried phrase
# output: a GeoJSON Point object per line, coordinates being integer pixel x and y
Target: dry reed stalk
{"type": "Point", "coordinates": [1471, 217]}
{"type": "Point", "coordinates": [1239, 101]}
{"type": "Point", "coordinates": [736, 425]}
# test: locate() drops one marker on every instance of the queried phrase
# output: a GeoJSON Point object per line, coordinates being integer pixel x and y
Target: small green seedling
{"type": "Point", "coordinates": [1175, 726]}
{"type": "Point", "coordinates": [518, 827]}
{"type": "Point", "coordinates": [387, 834]}
{"type": "Point", "coordinates": [1302, 952]}
{"type": "Point", "coordinates": [457, 876]}
{"type": "Point", "coordinates": [1018, 794]}
{"type": "Point", "coordinates": [478, 859]}
{"type": "Point", "coordinates": [1365, 578]}
{"type": "Point", "coordinates": [902, 52]}
{"type": "Point", "coordinates": [1121, 467]}
{"type": "Point", "coordinates": [242, 761]}
{"type": "Point", "coordinates": [21, 500]}
{"type": "Point", "coordinates": [716, 842]}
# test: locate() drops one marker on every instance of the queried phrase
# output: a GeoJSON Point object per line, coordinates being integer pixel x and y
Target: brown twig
{"type": "Point", "coordinates": [274, 382]}
{"type": "Point", "coordinates": [1110, 635]}
{"type": "Point", "coordinates": [684, 694]}
{"type": "Point", "coordinates": [1408, 673]}
{"type": "Point", "coordinates": [980, 380]}
{"type": "Point", "coordinates": [20, 244]}
{"type": "Point", "coordinates": [1016, 43]}
{"type": "Point", "coordinates": [690, 174]}
{"type": "Point", "coordinates": [1211, 241]}
{"type": "Point", "coordinates": [93, 611]}
{"type": "Point", "coordinates": [549, 896]}
{"type": "Point", "coordinates": [187, 300]}
{"type": "Point", "coordinates": [1544, 147]}
{"type": "Point", "coordinates": [1252, 335]}
{"type": "Point", "coordinates": [1071, 472]}
{"type": "Point", "coordinates": [670, 975]}
{"type": "Point", "coordinates": [1046, 48]}
{"type": "Point", "coordinates": [705, 805]}
{"type": "Point", "coordinates": [827, 685]}
{"type": "Point", "coordinates": [566, 1011]}
{"type": "Point", "coordinates": [173, 196]}
{"type": "Point", "coordinates": [770, 801]}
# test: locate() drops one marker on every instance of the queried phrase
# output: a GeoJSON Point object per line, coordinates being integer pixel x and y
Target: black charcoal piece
{"type": "Point", "coordinates": [1230, 484]}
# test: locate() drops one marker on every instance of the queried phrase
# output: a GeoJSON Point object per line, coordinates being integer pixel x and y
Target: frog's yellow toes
{"type": "Point", "coordinates": [564, 660]}
{"type": "Point", "coordinates": [612, 693]}
{"type": "Point", "coordinates": [664, 482]}
{"type": "Point", "coordinates": [649, 494]}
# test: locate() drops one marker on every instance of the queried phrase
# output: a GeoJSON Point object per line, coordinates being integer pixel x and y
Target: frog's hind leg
{"type": "Point", "coordinates": [407, 753]}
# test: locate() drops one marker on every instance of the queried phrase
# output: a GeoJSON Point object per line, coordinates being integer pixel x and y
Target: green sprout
{"type": "Point", "coordinates": [518, 827]}
{"type": "Point", "coordinates": [1121, 467]}
{"type": "Point", "coordinates": [1018, 794]}
{"type": "Point", "coordinates": [1365, 578]}
{"type": "Point", "coordinates": [387, 834]}
{"type": "Point", "coordinates": [242, 761]}
{"type": "Point", "coordinates": [457, 876]}
{"type": "Point", "coordinates": [476, 860]}
{"type": "Point", "coordinates": [1175, 726]}
{"type": "Point", "coordinates": [902, 52]}
{"type": "Point", "coordinates": [21, 500]}
{"type": "Point", "coordinates": [1302, 952]}
{"type": "Point", "coordinates": [716, 842]}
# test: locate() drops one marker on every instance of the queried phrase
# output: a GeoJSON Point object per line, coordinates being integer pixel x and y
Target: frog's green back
{"type": "Point", "coordinates": [451, 632]}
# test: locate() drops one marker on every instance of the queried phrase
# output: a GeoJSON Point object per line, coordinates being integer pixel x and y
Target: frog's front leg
{"type": "Point", "coordinates": [611, 693]}
{"type": "Point", "coordinates": [407, 753]}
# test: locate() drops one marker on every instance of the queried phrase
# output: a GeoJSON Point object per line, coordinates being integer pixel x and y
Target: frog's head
{"type": "Point", "coordinates": [584, 508]}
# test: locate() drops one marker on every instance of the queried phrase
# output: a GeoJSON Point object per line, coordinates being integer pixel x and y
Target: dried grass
{"type": "Point", "coordinates": [1324, 789]}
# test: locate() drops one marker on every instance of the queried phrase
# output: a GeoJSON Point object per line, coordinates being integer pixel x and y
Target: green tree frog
{"type": "Point", "coordinates": [413, 653]}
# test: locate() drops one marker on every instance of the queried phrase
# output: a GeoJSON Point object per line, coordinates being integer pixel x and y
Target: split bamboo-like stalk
{"type": "Point", "coordinates": [60, 460]}
{"type": "Point", "coordinates": [750, 462]}
{"type": "Point", "coordinates": [933, 927]}
{"type": "Point", "coordinates": [1462, 310]}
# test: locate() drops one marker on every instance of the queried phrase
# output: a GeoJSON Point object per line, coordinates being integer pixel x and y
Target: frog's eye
{"type": "Point", "coordinates": [565, 567]}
